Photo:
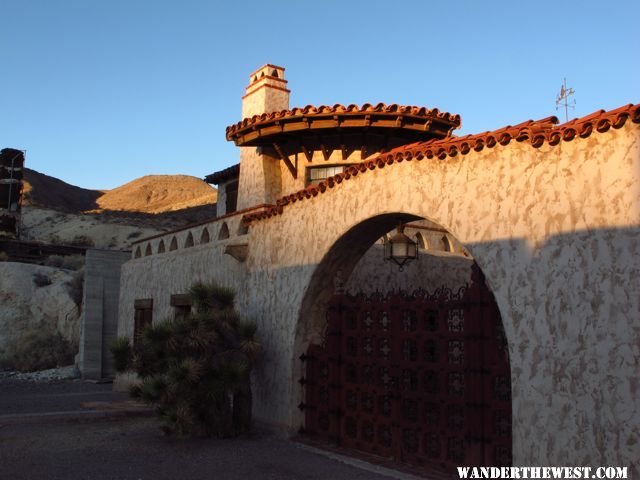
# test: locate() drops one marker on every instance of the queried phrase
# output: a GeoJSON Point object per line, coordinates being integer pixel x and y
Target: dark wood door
{"type": "Point", "coordinates": [421, 379]}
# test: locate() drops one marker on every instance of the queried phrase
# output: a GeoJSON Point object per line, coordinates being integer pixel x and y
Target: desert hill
{"type": "Point", "coordinates": [43, 191]}
{"type": "Point", "coordinates": [57, 212]}
{"type": "Point", "coordinates": [148, 194]}
{"type": "Point", "coordinates": [158, 193]}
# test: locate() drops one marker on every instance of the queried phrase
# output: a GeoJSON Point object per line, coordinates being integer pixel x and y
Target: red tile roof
{"type": "Point", "coordinates": [536, 133]}
{"type": "Point", "coordinates": [235, 131]}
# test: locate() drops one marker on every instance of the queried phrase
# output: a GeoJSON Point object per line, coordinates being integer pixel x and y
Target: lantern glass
{"type": "Point", "coordinates": [400, 248]}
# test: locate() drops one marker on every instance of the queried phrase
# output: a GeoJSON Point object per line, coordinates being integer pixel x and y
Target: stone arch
{"type": "Point", "coordinates": [174, 244]}
{"type": "Point", "coordinates": [422, 244]}
{"type": "Point", "coordinates": [340, 260]}
{"type": "Point", "coordinates": [147, 251]}
{"type": "Point", "coordinates": [338, 264]}
{"type": "Point", "coordinates": [204, 237]}
{"type": "Point", "coordinates": [189, 241]}
{"type": "Point", "coordinates": [446, 243]}
{"type": "Point", "coordinates": [224, 232]}
{"type": "Point", "coordinates": [138, 252]}
{"type": "Point", "coordinates": [161, 247]}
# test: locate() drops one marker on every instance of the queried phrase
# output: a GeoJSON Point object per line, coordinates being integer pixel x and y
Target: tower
{"type": "Point", "coordinates": [260, 173]}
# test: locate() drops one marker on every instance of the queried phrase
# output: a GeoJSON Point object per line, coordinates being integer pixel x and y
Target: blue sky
{"type": "Point", "coordinates": [100, 93]}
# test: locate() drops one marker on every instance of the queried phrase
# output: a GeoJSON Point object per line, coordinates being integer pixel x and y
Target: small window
{"type": "Point", "coordinates": [138, 253]}
{"type": "Point", "coordinates": [147, 251]}
{"type": "Point", "coordinates": [231, 196]}
{"type": "Point", "coordinates": [143, 316]}
{"type": "Point", "coordinates": [315, 175]}
{"type": "Point", "coordinates": [161, 246]}
{"type": "Point", "coordinates": [174, 244]}
{"type": "Point", "coordinates": [274, 73]}
{"type": "Point", "coordinates": [420, 240]}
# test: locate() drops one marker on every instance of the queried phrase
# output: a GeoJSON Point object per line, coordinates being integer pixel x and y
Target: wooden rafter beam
{"type": "Point", "coordinates": [285, 159]}
{"type": "Point", "coordinates": [307, 153]}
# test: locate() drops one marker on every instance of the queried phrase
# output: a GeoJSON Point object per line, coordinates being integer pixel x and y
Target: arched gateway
{"type": "Point", "coordinates": [549, 213]}
{"type": "Point", "coordinates": [415, 376]}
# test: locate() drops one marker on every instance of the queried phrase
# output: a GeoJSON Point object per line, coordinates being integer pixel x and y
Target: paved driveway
{"type": "Point", "coordinates": [69, 445]}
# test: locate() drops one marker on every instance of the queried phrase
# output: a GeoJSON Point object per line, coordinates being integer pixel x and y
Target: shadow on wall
{"type": "Point", "coordinates": [571, 313]}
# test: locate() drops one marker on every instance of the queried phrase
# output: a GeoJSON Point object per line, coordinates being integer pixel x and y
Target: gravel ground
{"type": "Point", "coordinates": [37, 445]}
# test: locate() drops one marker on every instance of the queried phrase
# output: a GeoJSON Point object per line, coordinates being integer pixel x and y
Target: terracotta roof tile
{"type": "Point", "coordinates": [310, 111]}
{"type": "Point", "coordinates": [536, 133]}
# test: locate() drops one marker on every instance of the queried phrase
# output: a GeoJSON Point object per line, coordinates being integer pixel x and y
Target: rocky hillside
{"type": "Point", "coordinates": [148, 194]}
{"type": "Point", "coordinates": [158, 194]}
{"type": "Point", "coordinates": [41, 302]}
{"type": "Point", "coordinates": [57, 212]}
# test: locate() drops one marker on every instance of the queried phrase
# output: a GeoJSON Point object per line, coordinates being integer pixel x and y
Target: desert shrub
{"type": "Point", "coordinates": [55, 240]}
{"type": "Point", "coordinates": [209, 296]}
{"type": "Point", "coordinates": [54, 261]}
{"type": "Point", "coordinates": [196, 370]}
{"type": "Point", "coordinates": [41, 279]}
{"type": "Point", "coordinates": [39, 350]}
{"type": "Point", "coordinates": [70, 262]}
{"type": "Point", "coordinates": [75, 287]}
{"type": "Point", "coordinates": [82, 241]}
{"type": "Point", "coordinates": [4, 257]}
{"type": "Point", "coordinates": [73, 262]}
{"type": "Point", "coordinates": [121, 352]}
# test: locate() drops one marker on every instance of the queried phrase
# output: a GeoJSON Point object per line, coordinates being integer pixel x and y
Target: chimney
{"type": "Point", "coordinates": [267, 92]}
{"type": "Point", "coordinates": [260, 179]}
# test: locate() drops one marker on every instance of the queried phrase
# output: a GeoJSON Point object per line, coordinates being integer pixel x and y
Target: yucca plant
{"type": "Point", "coordinates": [196, 370]}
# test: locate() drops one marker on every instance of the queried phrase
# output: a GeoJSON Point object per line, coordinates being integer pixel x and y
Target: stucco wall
{"type": "Point", "coordinates": [554, 229]}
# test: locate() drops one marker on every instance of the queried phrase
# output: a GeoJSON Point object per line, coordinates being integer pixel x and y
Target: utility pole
{"type": "Point", "coordinates": [562, 100]}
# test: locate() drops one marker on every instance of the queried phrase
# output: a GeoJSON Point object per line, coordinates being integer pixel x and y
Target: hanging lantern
{"type": "Point", "coordinates": [400, 248]}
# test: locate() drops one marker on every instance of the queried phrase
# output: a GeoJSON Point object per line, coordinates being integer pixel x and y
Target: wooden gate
{"type": "Point", "coordinates": [421, 379]}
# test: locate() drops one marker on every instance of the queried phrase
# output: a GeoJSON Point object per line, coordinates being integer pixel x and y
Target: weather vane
{"type": "Point", "coordinates": [563, 99]}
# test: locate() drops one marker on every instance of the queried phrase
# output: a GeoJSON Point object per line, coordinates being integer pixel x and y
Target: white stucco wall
{"type": "Point", "coordinates": [556, 232]}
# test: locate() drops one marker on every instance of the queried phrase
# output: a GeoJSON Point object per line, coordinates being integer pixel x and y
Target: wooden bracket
{"type": "Point", "coordinates": [285, 159]}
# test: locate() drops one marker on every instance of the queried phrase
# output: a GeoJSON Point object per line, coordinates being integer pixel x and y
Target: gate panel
{"type": "Point", "coordinates": [421, 379]}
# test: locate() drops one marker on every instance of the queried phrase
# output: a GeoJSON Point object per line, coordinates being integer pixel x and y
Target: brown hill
{"type": "Point", "coordinates": [43, 191]}
{"type": "Point", "coordinates": [150, 194]}
{"type": "Point", "coordinates": [157, 194]}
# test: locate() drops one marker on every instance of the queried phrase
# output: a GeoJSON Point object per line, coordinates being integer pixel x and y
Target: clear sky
{"type": "Point", "coordinates": [101, 92]}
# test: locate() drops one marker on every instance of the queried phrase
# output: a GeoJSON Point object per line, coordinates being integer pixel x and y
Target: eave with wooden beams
{"type": "Point", "coordinates": [368, 129]}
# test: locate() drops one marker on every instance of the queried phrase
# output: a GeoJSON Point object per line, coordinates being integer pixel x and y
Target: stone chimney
{"type": "Point", "coordinates": [267, 92]}
{"type": "Point", "coordinates": [260, 174]}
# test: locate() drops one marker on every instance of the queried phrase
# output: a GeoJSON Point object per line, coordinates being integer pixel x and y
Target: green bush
{"type": "Point", "coordinates": [39, 350]}
{"type": "Point", "coordinates": [196, 370]}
